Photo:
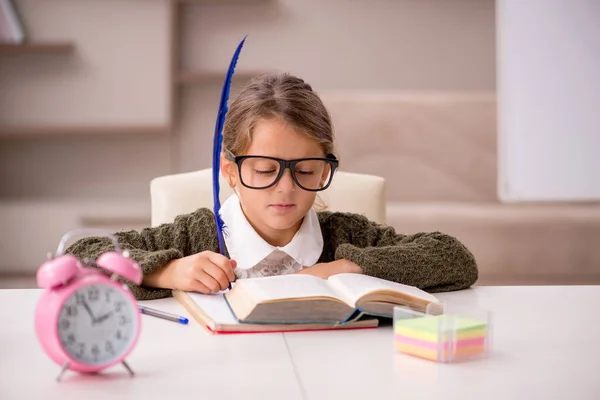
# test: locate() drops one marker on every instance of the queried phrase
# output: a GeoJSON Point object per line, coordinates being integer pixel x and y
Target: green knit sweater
{"type": "Point", "coordinates": [433, 261]}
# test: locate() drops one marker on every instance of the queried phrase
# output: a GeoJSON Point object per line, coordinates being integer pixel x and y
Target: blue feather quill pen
{"type": "Point", "coordinates": [218, 140]}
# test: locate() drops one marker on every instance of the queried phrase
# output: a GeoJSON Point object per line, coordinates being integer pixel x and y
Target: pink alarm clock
{"type": "Point", "coordinates": [86, 320]}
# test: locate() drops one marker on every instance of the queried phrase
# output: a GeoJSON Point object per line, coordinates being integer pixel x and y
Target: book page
{"type": "Point", "coordinates": [214, 306]}
{"type": "Point", "coordinates": [351, 287]}
{"type": "Point", "coordinates": [285, 287]}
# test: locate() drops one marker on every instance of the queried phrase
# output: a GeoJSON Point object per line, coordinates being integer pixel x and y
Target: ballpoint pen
{"type": "Point", "coordinates": [163, 315]}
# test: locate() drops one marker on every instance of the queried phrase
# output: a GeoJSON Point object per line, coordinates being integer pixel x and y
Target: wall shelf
{"type": "Point", "coordinates": [17, 132]}
{"type": "Point", "coordinates": [36, 47]}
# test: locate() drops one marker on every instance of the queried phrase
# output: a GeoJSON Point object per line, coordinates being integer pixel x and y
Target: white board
{"type": "Point", "coordinates": [548, 66]}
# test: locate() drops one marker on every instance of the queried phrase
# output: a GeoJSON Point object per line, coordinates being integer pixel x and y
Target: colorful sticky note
{"type": "Point", "coordinates": [441, 337]}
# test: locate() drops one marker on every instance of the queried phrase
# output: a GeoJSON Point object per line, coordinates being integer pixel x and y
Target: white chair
{"type": "Point", "coordinates": [173, 195]}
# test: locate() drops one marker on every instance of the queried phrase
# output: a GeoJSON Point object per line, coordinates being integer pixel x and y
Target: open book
{"type": "Point", "coordinates": [306, 299]}
{"type": "Point", "coordinates": [212, 312]}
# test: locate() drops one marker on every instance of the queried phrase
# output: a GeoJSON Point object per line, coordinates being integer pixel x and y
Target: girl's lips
{"type": "Point", "coordinates": [282, 207]}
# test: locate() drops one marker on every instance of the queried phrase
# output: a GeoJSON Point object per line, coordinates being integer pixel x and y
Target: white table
{"type": "Point", "coordinates": [546, 346]}
{"type": "Point", "coordinates": [169, 361]}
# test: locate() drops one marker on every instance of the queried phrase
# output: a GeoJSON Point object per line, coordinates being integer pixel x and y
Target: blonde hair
{"type": "Point", "coordinates": [282, 96]}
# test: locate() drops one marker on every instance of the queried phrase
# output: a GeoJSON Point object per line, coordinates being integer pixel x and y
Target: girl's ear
{"type": "Point", "coordinates": [228, 170]}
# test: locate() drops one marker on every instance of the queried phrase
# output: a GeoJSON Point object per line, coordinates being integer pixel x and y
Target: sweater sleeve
{"type": "Point", "coordinates": [431, 261]}
{"type": "Point", "coordinates": [153, 248]}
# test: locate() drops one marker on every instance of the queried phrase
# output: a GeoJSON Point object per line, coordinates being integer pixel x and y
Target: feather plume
{"type": "Point", "coordinates": [218, 140]}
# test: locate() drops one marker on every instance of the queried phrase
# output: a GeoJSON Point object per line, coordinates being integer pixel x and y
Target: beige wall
{"type": "Point", "coordinates": [116, 76]}
{"type": "Point", "coordinates": [341, 44]}
{"type": "Point", "coordinates": [119, 75]}
{"type": "Point", "coordinates": [433, 45]}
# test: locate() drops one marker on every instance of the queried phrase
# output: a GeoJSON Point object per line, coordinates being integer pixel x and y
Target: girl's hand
{"type": "Point", "coordinates": [325, 270]}
{"type": "Point", "coordinates": [206, 272]}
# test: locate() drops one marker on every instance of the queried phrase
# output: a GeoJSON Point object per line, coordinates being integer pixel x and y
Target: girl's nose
{"type": "Point", "coordinates": [286, 183]}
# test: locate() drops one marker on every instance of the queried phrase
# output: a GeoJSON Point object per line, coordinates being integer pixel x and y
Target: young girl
{"type": "Point", "coordinates": [277, 154]}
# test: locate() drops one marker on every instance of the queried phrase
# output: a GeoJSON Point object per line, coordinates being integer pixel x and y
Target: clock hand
{"type": "Point", "coordinates": [88, 309]}
{"type": "Point", "coordinates": [103, 318]}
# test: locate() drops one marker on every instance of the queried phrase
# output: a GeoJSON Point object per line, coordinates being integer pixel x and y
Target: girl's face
{"type": "Point", "coordinates": [276, 213]}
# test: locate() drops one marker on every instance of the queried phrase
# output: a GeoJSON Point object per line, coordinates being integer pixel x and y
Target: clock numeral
{"type": "Point", "coordinates": [119, 306]}
{"type": "Point", "coordinates": [81, 349]}
{"type": "Point", "coordinates": [119, 335]}
{"type": "Point", "coordinates": [71, 311]}
{"type": "Point", "coordinates": [107, 295]}
{"type": "Point", "coordinates": [95, 351]}
{"type": "Point", "coordinates": [109, 347]}
{"type": "Point", "coordinates": [70, 338]}
{"type": "Point", "coordinates": [93, 294]}
{"type": "Point", "coordinates": [123, 320]}
{"type": "Point", "coordinates": [79, 299]}
{"type": "Point", "coordinates": [64, 324]}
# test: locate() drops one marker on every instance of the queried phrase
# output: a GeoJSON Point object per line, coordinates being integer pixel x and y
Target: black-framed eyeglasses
{"type": "Point", "coordinates": [261, 172]}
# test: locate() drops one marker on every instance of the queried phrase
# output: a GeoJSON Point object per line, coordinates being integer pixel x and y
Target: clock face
{"type": "Point", "coordinates": [97, 324]}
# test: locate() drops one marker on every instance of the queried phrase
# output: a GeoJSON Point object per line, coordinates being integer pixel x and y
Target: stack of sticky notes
{"type": "Point", "coordinates": [443, 337]}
